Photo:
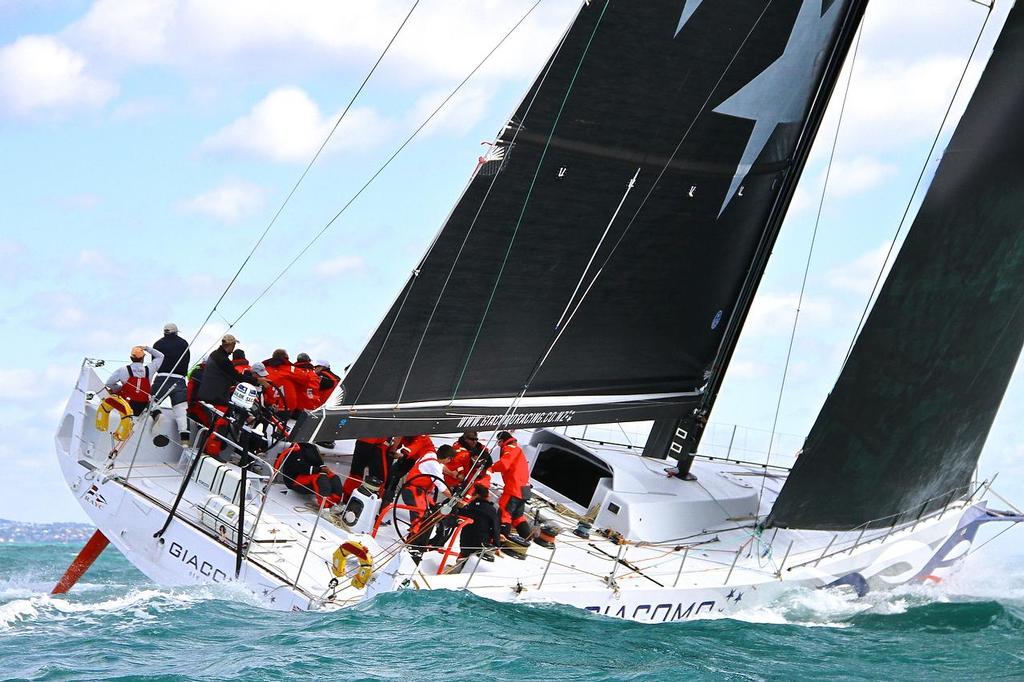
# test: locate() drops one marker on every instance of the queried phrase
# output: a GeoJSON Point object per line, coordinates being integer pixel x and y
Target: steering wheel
{"type": "Point", "coordinates": [407, 534]}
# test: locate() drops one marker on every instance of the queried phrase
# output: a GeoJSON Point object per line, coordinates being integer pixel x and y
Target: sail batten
{"type": "Point", "coordinates": [905, 424]}
{"type": "Point", "coordinates": [550, 277]}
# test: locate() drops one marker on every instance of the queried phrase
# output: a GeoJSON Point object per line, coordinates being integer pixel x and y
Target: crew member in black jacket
{"type": "Point", "coordinates": [220, 376]}
{"type": "Point", "coordinates": [170, 377]}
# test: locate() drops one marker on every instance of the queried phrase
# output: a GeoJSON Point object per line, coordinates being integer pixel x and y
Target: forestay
{"type": "Point", "coordinates": [596, 258]}
{"type": "Point", "coordinates": [901, 432]}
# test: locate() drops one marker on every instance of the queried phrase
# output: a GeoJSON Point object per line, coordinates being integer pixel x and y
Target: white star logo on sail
{"type": "Point", "coordinates": [779, 93]}
{"type": "Point", "coordinates": [689, 7]}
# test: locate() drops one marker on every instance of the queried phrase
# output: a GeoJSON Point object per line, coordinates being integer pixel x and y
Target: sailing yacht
{"type": "Point", "coordinates": [598, 269]}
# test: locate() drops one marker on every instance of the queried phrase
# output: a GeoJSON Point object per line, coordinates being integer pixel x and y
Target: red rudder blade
{"type": "Point", "coordinates": [93, 548]}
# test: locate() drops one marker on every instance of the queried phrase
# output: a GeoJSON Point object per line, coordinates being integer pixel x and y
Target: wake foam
{"type": "Point", "coordinates": [982, 582]}
{"type": "Point", "coordinates": [33, 606]}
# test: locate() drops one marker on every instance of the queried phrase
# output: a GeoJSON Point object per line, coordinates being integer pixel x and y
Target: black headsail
{"type": "Point", "coordinates": [903, 428]}
{"type": "Point", "coordinates": [590, 268]}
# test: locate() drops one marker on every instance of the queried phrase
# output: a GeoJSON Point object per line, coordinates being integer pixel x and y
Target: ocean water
{"type": "Point", "coordinates": [117, 625]}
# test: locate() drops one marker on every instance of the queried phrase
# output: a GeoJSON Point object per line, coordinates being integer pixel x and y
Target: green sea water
{"type": "Point", "coordinates": [117, 625]}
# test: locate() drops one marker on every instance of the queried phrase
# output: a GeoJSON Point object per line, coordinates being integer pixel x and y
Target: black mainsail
{"type": "Point", "coordinates": [590, 270]}
{"type": "Point", "coordinates": [902, 430]}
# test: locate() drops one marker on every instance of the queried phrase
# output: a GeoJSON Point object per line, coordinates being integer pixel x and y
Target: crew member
{"type": "Point", "coordinates": [485, 531]}
{"type": "Point", "coordinates": [281, 373]}
{"type": "Point", "coordinates": [515, 474]}
{"type": "Point", "coordinates": [404, 451]}
{"type": "Point", "coordinates": [368, 455]}
{"type": "Point", "coordinates": [272, 396]}
{"type": "Point", "coordinates": [328, 381]}
{"type": "Point", "coordinates": [195, 379]}
{"type": "Point", "coordinates": [240, 362]}
{"type": "Point", "coordinates": [423, 486]}
{"type": "Point", "coordinates": [467, 449]}
{"type": "Point", "coordinates": [220, 375]}
{"type": "Point", "coordinates": [218, 381]}
{"type": "Point", "coordinates": [307, 383]}
{"type": "Point", "coordinates": [303, 469]}
{"type": "Point", "coordinates": [170, 377]}
{"type": "Point", "coordinates": [134, 382]}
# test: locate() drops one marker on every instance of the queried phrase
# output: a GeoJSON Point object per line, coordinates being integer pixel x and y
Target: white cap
{"type": "Point", "coordinates": [170, 328]}
{"type": "Point", "coordinates": [259, 369]}
{"type": "Point", "coordinates": [322, 363]}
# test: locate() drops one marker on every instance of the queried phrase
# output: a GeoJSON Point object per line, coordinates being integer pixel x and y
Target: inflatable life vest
{"type": "Point", "coordinates": [136, 389]}
{"type": "Point", "coordinates": [115, 403]}
{"type": "Point", "coordinates": [358, 551]}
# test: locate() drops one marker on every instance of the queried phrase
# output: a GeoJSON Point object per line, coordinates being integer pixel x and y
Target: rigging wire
{"type": "Point", "coordinates": [280, 209]}
{"type": "Point", "coordinates": [917, 186]}
{"type": "Point", "coordinates": [273, 220]}
{"type": "Point", "coordinates": [668, 162]}
{"type": "Point", "coordinates": [513, 406]}
{"type": "Point", "coordinates": [383, 166]}
{"type": "Point", "coordinates": [526, 200]}
{"type": "Point", "coordinates": [302, 177]}
{"type": "Point", "coordinates": [558, 332]}
{"type": "Point", "coordinates": [810, 255]}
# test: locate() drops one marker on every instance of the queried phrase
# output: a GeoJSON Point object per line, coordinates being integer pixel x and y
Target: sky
{"type": "Point", "coordinates": [148, 143]}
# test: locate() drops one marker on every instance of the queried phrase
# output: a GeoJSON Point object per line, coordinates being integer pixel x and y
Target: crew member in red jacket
{"type": "Point", "coordinates": [404, 450]}
{"type": "Point", "coordinates": [468, 450]}
{"type": "Point", "coordinates": [515, 474]}
{"type": "Point", "coordinates": [307, 383]}
{"type": "Point", "coordinates": [239, 360]}
{"type": "Point", "coordinates": [281, 373]}
{"type": "Point", "coordinates": [303, 469]}
{"type": "Point", "coordinates": [424, 484]}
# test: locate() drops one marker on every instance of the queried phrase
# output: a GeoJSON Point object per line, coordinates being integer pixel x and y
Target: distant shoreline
{"type": "Point", "coordinates": [58, 532]}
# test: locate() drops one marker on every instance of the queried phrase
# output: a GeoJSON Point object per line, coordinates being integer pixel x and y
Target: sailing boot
{"type": "Point", "coordinates": [525, 530]}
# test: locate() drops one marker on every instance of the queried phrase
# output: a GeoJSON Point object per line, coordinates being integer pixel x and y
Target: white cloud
{"type": "Point", "coordinates": [772, 313]}
{"type": "Point", "coordinates": [21, 383]}
{"type": "Point", "coordinates": [440, 40]}
{"type": "Point", "coordinates": [287, 125]}
{"type": "Point", "coordinates": [41, 73]}
{"type": "Point", "coordinates": [78, 202]}
{"type": "Point", "coordinates": [858, 276]}
{"type": "Point", "coordinates": [228, 203]}
{"type": "Point", "coordinates": [91, 258]}
{"type": "Point", "coordinates": [853, 176]}
{"type": "Point", "coordinates": [897, 102]}
{"type": "Point", "coordinates": [338, 266]}
{"type": "Point", "coordinates": [133, 30]}
{"type": "Point", "coordinates": [458, 116]}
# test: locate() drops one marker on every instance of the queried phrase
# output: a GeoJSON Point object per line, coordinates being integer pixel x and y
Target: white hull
{"type": "Point", "coordinates": [702, 573]}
